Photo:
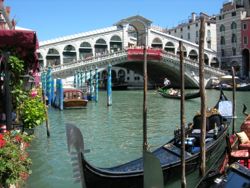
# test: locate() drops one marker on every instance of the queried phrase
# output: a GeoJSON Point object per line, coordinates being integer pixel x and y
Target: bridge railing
{"type": "Point", "coordinates": [192, 62]}
{"type": "Point", "coordinates": [88, 61]}
{"type": "Point", "coordinates": [105, 57]}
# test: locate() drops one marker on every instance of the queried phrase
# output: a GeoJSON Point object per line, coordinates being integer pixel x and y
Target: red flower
{"type": "Point", "coordinates": [18, 138]}
{"type": "Point", "coordinates": [2, 143]}
{"type": "Point", "coordinates": [24, 175]}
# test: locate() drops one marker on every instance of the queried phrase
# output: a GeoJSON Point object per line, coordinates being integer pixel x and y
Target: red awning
{"type": "Point", "coordinates": [22, 42]}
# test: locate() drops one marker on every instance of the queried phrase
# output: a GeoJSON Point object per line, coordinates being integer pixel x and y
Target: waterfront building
{"type": "Point", "coordinates": [232, 36]}
{"type": "Point", "coordinates": [189, 30]}
{"type": "Point", "coordinates": [245, 45]}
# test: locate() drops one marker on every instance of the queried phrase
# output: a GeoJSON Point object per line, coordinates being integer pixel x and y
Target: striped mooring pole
{"type": "Point", "coordinates": [96, 85]}
{"type": "Point", "coordinates": [48, 86]}
{"type": "Point", "coordinates": [109, 86]}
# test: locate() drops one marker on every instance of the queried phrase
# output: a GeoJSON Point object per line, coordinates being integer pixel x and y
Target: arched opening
{"type": "Point", "coordinates": [133, 35]}
{"type": "Point", "coordinates": [101, 47]}
{"type": "Point", "coordinates": [215, 63]}
{"type": "Point", "coordinates": [169, 47]}
{"type": "Point", "coordinates": [183, 50]}
{"type": "Point", "coordinates": [206, 59]}
{"type": "Point", "coordinates": [85, 50]}
{"type": "Point", "coordinates": [193, 55]}
{"type": "Point", "coordinates": [156, 43]}
{"type": "Point", "coordinates": [115, 43]}
{"type": "Point", "coordinates": [121, 76]}
{"type": "Point", "coordinates": [245, 61]}
{"type": "Point", "coordinates": [69, 54]}
{"type": "Point", "coordinates": [52, 57]}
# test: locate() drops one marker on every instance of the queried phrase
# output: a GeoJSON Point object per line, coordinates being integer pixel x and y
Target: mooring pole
{"type": "Point", "coordinates": [48, 85]}
{"type": "Point", "coordinates": [234, 102]}
{"type": "Point", "coordinates": [145, 78]}
{"type": "Point", "coordinates": [96, 85]}
{"type": "Point", "coordinates": [203, 97]}
{"type": "Point", "coordinates": [109, 86]}
{"type": "Point", "coordinates": [183, 171]}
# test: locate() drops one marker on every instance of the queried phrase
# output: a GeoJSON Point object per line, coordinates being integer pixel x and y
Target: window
{"type": "Point", "coordinates": [188, 36]}
{"type": "Point", "coordinates": [222, 28]}
{"type": "Point", "coordinates": [208, 23]}
{"type": "Point", "coordinates": [209, 44]}
{"type": "Point", "coordinates": [219, 17]}
{"type": "Point", "coordinates": [245, 40]}
{"type": "Point", "coordinates": [196, 24]}
{"type": "Point", "coordinates": [181, 29]}
{"type": "Point", "coordinates": [188, 26]}
{"type": "Point", "coordinates": [234, 51]}
{"type": "Point", "coordinates": [169, 32]}
{"type": "Point", "coordinates": [222, 40]}
{"type": "Point", "coordinates": [222, 53]}
{"type": "Point", "coordinates": [234, 39]}
{"type": "Point", "coordinates": [234, 13]}
{"type": "Point", "coordinates": [181, 37]}
{"type": "Point", "coordinates": [233, 25]}
{"type": "Point", "coordinates": [175, 30]}
{"type": "Point", "coordinates": [244, 26]}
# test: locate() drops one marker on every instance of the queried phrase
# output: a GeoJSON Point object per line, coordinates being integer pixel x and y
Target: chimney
{"type": "Point", "coordinates": [193, 17]}
{"type": "Point", "coordinates": [1, 4]}
{"type": "Point", "coordinates": [7, 9]}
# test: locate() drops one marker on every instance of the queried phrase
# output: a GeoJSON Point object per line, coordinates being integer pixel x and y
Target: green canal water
{"type": "Point", "coordinates": [112, 134]}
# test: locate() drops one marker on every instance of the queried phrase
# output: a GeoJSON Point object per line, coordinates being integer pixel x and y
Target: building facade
{"type": "Point", "coordinates": [233, 35]}
{"type": "Point", "coordinates": [189, 30]}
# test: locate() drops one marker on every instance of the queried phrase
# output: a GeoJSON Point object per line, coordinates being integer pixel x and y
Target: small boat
{"type": "Point", "coordinates": [175, 94]}
{"type": "Point", "coordinates": [130, 174]}
{"type": "Point", "coordinates": [74, 98]}
{"type": "Point", "coordinates": [119, 86]}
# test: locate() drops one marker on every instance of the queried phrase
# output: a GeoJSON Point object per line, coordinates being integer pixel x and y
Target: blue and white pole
{"type": "Point", "coordinates": [96, 85]}
{"type": "Point", "coordinates": [90, 84]}
{"type": "Point", "coordinates": [48, 85]}
{"type": "Point", "coordinates": [43, 81]}
{"type": "Point", "coordinates": [60, 92]}
{"type": "Point", "coordinates": [78, 78]}
{"type": "Point", "coordinates": [81, 79]}
{"type": "Point", "coordinates": [109, 86]}
{"type": "Point", "coordinates": [74, 82]}
{"type": "Point", "coordinates": [52, 90]}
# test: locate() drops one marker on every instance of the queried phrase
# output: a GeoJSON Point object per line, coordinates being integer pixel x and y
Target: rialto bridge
{"type": "Point", "coordinates": [121, 46]}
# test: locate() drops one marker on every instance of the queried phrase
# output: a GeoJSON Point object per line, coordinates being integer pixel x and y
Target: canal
{"type": "Point", "coordinates": [112, 134]}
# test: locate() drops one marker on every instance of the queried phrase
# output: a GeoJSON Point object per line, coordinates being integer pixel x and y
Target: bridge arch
{"type": "Point", "coordinates": [53, 57]}
{"type": "Point", "coordinates": [193, 55]}
{"type": "Point", "coordinates": [184, 50]}
{"type": "Point", "coordinates": [206, 59]}
{"type": "Point", "coordinates": [115, 43]}
{"type": "Point", "coordinates": [169, 47]}
{"type": "Point", "coordinates": [156, 43]}
{"type": "Point", "coordinates": [40, 60]}
{"type": "Point", "coordinates": [215, 62]}
{"type": "Point", "coordinates": [69, 54]}
{"type": "Point", "coordinates": [85, 50]}
{"type": "Point", "coordinates": [101, 46]}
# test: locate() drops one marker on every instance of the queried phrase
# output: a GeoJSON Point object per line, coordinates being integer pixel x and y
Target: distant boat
{"type": "Point", "coordinates": [74, 98]}
{"type": "Point", "coordinates": [227, 84]}
{"type": "Point", "coordinates": [130, 174]}
{"type": "Point", "coordinates": [175, 94]}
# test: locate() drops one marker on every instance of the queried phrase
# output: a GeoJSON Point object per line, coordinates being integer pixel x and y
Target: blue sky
{"type": "Point", "coordinates": [55, 18]}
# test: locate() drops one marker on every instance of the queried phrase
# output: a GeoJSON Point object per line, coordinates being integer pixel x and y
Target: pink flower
{"type": "Point", "coordinates": [33, 93]}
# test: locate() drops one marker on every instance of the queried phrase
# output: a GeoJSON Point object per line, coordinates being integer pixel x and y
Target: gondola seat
{"type": "Point", "coordinates": [236, 154]}
{"type": "Point", "coordinates": [244, 140]}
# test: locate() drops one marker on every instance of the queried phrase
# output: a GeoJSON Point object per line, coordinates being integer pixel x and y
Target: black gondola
{"type": "Point", "coordinates": [130, 174]}
{"type": "Point", "coordinates": [176, 95]}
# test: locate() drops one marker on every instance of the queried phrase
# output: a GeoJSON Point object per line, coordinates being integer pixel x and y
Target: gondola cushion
{"type": "Point", "coordinates": [242, 137]}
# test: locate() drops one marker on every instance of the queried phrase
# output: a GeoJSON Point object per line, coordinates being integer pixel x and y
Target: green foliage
{"type": "Point", "coordinates": [14, 161]}
{"type": "Point", "coordinates": [16, 65]}
{"type": "Point", "coordinates": [32, 112]}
